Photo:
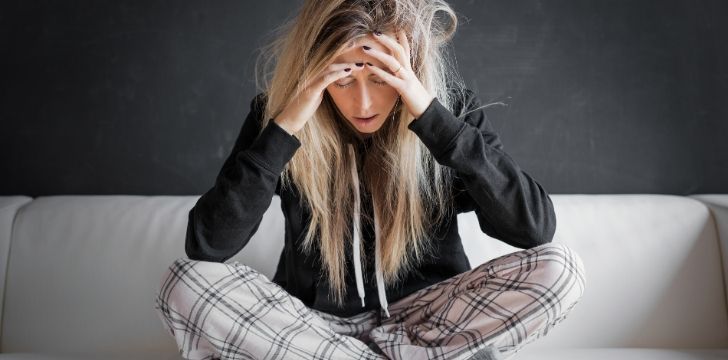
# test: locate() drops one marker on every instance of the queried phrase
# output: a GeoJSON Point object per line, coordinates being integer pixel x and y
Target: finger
{"type": "Point", "coordinates": [340, 66]}
{"type": "Point", "coordinates": [392, 80]}
{"type": "Point", "coordinates": [335, 72]}
{"type": "Point", "coordinates": [404, 41]}
{"type": "Point", "coordinates": [394, 46]}
{"type": "Point", "coordinates": [390, 62]}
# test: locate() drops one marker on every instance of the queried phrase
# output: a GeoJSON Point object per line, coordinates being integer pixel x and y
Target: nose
{"type": "Point", "coordinates": [363, 98]}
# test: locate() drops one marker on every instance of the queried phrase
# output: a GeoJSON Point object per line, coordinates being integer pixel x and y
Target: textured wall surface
{"type": "Point", "coordinates": [131, 97]}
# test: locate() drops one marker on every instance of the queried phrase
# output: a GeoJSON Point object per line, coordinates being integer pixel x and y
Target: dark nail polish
{"type": "Point", "coordinates": [377, 32]}
{"type": "Point", "coordinates": [359, 64]}
{"type": "Point", "coordinates": [347, 69]}
{"type": "Point", "coordinates": [366, 47]}
{"type": "Point", "coordinates": [370, 64]}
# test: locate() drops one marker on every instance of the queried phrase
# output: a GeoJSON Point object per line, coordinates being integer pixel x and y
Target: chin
{"type": "Point", "coordinates": [369, 130]}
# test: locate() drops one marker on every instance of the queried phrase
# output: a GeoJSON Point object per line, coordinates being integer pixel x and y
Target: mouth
{"type": "Point", "coordinates": [365, 118]}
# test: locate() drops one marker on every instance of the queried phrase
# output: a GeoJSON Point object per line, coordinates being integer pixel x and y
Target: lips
{"type": "Point", "coordinates": [365, 118]}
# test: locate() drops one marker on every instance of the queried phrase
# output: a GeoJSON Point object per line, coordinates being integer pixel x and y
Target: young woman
{"type": "Point", "coordinates": [374, 146]}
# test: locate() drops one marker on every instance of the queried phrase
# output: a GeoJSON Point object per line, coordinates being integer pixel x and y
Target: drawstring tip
{"type": "Point", "coordinates": [386, 312]}
{"type": "Point", "coordinates": [362, 302]}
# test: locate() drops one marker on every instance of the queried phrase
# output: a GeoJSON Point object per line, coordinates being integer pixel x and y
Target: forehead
{"type": "Point", "coordinates": [356, 53]}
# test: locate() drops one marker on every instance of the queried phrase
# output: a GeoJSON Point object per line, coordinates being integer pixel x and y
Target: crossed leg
{"type": "Point", "coordinates": [231, 311]}
{"type": "Point", "coordinates": [504, 303]}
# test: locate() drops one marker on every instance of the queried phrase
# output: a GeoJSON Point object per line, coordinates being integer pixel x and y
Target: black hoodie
{"type": "Point", "coordinates": [509, 205]}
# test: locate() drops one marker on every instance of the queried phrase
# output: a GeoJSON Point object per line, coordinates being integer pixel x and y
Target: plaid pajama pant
{"type": "Point", "coordinates": [231, 311]}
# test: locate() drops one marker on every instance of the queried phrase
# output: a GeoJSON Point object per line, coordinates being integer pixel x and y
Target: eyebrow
{"type": "Point", "coordinates": [350, 75]}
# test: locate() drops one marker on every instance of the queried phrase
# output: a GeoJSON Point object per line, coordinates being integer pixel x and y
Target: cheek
{"type": "Point", "coordinates": [339, 98]}
{"type": "Point", "coordinates": [334, 93]}
{"type": "Point", "coordinates": [331, 89]}
{"type": "Point", "coordinates": [386, 91]}
{"type": "Point", "coordinates": [387, 96]}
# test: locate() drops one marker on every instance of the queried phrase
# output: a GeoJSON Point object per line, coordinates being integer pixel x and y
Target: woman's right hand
{"type": "Point", "coordinates": [301, 108]}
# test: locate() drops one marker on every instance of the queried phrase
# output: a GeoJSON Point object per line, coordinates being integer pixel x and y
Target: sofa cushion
{"type": "Point", "coordinates": [84, 271]}
{"type": "Point", "coordinates": [549, 354]}
{"type": "Point", "coordinates": [718, 204]}
{"type": "Point", "coordinates": [9, 206]}
{"type": "Point", "coordinates": [653, 271]}
{"type": "Point", "coordinates": [530, 353]}
{"type": "Point", "coordinates": [89, 356]}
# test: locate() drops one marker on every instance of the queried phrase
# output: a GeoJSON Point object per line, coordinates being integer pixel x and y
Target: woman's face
{"type": "Point", "coordinates": [363, 94]}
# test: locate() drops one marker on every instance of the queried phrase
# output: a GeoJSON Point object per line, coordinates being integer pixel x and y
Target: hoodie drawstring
{"type": "Point", "coordinates": [378, 264]}
{"type": "Point", "coordinates": [356, 220]}
{"type": "Point", "coordinates": [357, 241]}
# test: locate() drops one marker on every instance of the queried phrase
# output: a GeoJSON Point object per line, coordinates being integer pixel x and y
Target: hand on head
{"type": "Point", "coordinates": [395, 70]}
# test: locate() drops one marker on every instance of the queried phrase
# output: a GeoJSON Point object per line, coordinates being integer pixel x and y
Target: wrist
{"type": "Point", "coordinates": [284, 125]}
{"type": "Point", "coordinates": [424, 99]}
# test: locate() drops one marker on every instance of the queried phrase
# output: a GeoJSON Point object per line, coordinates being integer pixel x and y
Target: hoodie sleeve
{"type": "Point", "coordinates": [223, 219]}
{"type": "Point", "coordinates": [509, 204]}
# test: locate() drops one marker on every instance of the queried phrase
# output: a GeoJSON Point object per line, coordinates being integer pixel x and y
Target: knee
{"type": "Point", "coordinates": [563, 271]}
{"type": "Point", "coordinates": [178, 270]}
{"type": "Point", "coordinates": [186, 275]}
{"type": "Point", "coordinates": [185, 267]}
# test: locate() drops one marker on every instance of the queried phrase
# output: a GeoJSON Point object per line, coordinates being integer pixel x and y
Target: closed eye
{"type": "Point", "coordinates": [377, 82]}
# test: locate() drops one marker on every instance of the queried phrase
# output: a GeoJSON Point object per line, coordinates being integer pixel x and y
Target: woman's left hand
{"type": "Point", "coordinates": [400, 75]}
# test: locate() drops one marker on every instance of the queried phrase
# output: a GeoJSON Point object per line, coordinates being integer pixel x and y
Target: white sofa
{"type": "Point", "coordinates": [78, 275]}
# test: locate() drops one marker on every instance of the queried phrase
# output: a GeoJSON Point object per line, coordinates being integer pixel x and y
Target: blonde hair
{"type": "Point", "coordinates": [410, 189]}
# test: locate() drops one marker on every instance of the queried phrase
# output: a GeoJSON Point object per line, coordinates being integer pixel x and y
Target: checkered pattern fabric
{"type": "Point", "coordinates": [231, 311]}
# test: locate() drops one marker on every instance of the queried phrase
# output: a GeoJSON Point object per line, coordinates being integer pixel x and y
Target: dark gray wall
{"type": "Point", "coordinates": [146, 97]}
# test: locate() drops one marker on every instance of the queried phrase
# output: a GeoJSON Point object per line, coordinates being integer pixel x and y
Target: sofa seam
{"type": "Point", "coordinates": [722, 258]}
{"type": "Point", "coordinates": [709, 206]}
{"type": "Point", "coordinates": [7, 266]}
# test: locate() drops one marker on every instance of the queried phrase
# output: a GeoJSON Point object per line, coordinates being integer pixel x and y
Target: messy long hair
{"type": "Point", "coordinates": [412, 192]}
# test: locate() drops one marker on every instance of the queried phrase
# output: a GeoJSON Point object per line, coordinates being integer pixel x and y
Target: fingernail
{"type": "Point", "coordinates": [359, 64]}
{"type": "Point", "coordinates": [370, 64]}
{"type": "Point", "coordinates": [377, 32]}
{"type": "Point", "coordinates": [366, 47]}
{"type": "Point", "coordinates": [347, 69]}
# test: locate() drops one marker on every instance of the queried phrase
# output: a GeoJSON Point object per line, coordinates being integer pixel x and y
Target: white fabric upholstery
{"type": "Point", "coordinates": [96, 261]}
{"type": "Point", "coordinates": [646, 258]}
{"type": "Point", "coordinates": [718, 205]}
{"type": "Point", "coordinates": [9, 206]}
{"type": "Point", "coordinates": [82, 272]}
